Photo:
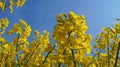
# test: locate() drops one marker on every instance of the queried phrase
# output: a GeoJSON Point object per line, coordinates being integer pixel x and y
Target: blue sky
{"type": "Point", "coordinates": [40, 14]}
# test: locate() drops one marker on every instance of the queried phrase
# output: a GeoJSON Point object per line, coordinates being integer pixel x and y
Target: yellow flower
{"type": "Point", "coordinates": [27, 31]}
{"type": "Point", "coordinates": [2, 5]}
{"type": "Point", "coordinates": [88, 50]}
{"type": "Point", "coordinates": [11, 6]}
{"type": "Point", "coordinates": [17, 29]}
{"type": "Point", "coordinates": [22, 3]}
{"type": "Point", "coordinates": [93, 65]}
{"type": "Point", "coordinates": [36, 32]}
{"type": "Point", "coordinates": [104, 29]}
{"type": "Point", "coordinates": [11, 10]}
{"type": "Point", "coordinates": [18, 3]}
{"type": "Point", "coordinates": [2, 40]}
{"type": "Point", "coordinates": [3, 25]}
{"type": "Point", "coordinates": [22, 22]}
{"type": "Point", "coordinates": [71, 14]}
{"type": "Point", "coordinates": [83, 17]}
{"type": "Point", "coordinates": [10, 32]}
{"type": "Point", "coordinates": [7, 48]}
{"type": "Point", "coordinates": [26, 50]}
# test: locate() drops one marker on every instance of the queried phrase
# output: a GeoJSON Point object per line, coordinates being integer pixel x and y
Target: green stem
{"type": "Point", "coordinates": [117, 55]}
{"type": "Point", "coordinates": [69, 33]}
{"type": "Point", "coordinates": [73, 57]}
{"type": "Point", "coordinates": [108, 49]}
{"type": "Point", "coordinates": [32, 54]}
{"type": "Point", "coordinates": [108, 58]}
{"type": "Point", "coordinates": [17, 51]}
{"type": "Point", "coordinates": [6, 61]}
{"type": "Point", "coordinates": [26, 56]}
{"type": "Point", "coordinates": [24, 59]}
{"type": "Point", "coordinates": [48, 54]}
{"type": "Point", "coordinates": [59, 64]}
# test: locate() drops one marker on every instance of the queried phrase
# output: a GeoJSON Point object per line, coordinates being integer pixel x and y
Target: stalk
{"type": "Point", "coordinates": [116, 60]}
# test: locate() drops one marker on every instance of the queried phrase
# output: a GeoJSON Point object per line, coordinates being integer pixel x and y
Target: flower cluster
{"type": "Point", "coordinates": [71, 40]}
{"type": "Point", "coordinates": [20, 52]}
{"type": "Point", "coordinates": [69, 45]}
{"type": "Point", "coordinates": [3, 25]}
{"type": "Point", "coordinates": [4, 4]}
{"type": "Point", "coordinates": [108, 45]}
